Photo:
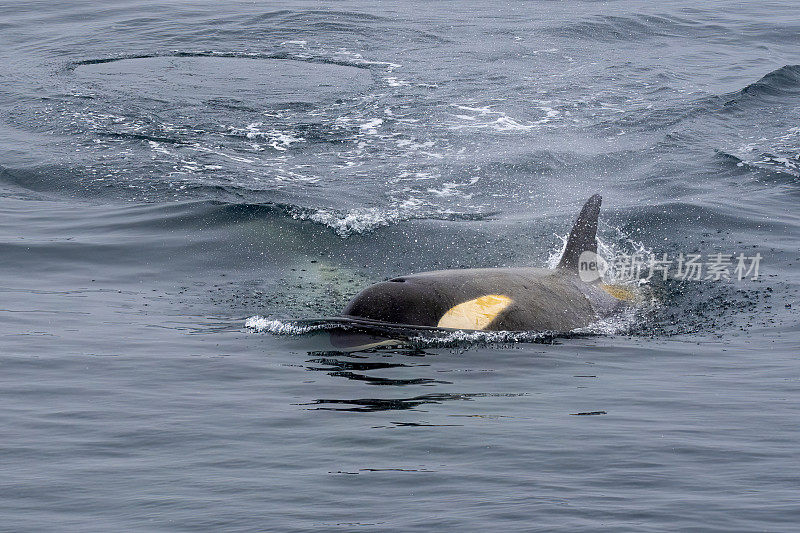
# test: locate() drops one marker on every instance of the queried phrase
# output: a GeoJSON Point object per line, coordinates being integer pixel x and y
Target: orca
{"type": "Point", "coordinates": [565, 298]}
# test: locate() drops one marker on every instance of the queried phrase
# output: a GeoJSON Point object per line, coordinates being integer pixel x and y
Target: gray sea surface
{"type": "Point", "coordinates": [171, 173]}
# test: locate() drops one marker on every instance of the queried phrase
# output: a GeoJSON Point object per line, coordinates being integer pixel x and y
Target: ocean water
{"type": "Point", "coordinates": [181, 181]}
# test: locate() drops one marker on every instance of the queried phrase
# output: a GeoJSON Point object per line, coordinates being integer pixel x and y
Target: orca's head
{"type": "Point", "coordinates": [398, 301]}
{"type": "Point", "coordinates": [419, 302]}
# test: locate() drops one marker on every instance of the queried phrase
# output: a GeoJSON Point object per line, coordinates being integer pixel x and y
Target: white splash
{"type": "Point", "coordinates": [260, 324]}
{"type": "Point", "coordinates": [453, 189]}
{"type": "Point", "coordinates": [462, 337]}
{"type": "Point", "coordinates": [485, 117]}
{"type": "Point", "coordinates": [392, 81]}
{"type": "Point", "coordinates": [277, 139]}
{"type": "Point", "coordinates": [200, 148]}
{"type": "Point", "coordinates": [612, 243]}
{"type": "Point", "coordinates": [370, 127]}
{"type": "Point", "coordinates": [618, 323]}
{"type": "Point", "coordinates": [357, 59]}
{"type": "Point", "coordinates": [159, 147]}
{"type": "Point", "coordinates": [355, 221]}
{"type": "Point", "coordinates": [780, 154]}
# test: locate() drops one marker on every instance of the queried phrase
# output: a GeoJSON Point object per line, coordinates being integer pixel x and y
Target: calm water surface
{"type": "Point", "coordinates": [168, 171]}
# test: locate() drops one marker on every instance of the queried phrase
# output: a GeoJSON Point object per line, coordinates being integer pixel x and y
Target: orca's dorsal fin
{"type": "Point", "coordinates": [583, 236]}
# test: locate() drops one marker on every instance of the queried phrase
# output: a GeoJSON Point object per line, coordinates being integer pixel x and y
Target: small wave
{"type": "Point", "coordinates": [773, 87]}
{"type": "Point", "coordinates": [429, 339]}
{"type": "Point", "coordinates": [356, 221]}
{"type": "Point", "coordinates": [780, 153]}
{"type": "Point", "coordinates": [461, 338]}
{"type": "Point", "coordinates": [363, 220]}
{"type": "Point", "coordinates": [785, 80]}
{"type": "Point", "coordinates": [619, 323]}
{"type": "Point", "coordinates": [485, 117]}
{"type": "Point", "coordinates": [341, 57]}
{"type": "Point", "coordinates": [345, 15]}
{"type": "Point", "coordinates": [344, 224]}
{"type": "Point", "coordinates": [140, 137]}
{"type": "Point", "coordinates": [609, 28]}
{"type": "Point", "coordinates": [787, 165]}
{"type": "Point", "coordinates": [769, 161]}
{"type": "Point", "coordinates": [357, 59]}
{"type": "Point", "coordinates": [273, 137]}
{"type": "Point", "coordinates": [260, 324]}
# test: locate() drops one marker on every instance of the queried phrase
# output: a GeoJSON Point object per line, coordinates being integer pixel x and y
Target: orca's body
{"type": "Point", "coordinates": [515, 299]}
{"type": "Point", "coordinates": [510, 299]}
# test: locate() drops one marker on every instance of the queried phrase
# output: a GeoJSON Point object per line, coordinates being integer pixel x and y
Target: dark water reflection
{"type": "Point", "coordinates": [394, 404]}
{"type": "Point", "coordinates": [363, 367]}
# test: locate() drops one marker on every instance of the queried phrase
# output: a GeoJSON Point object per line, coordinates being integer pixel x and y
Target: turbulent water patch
{"type": "Point", "coordinates": [368, 219]}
